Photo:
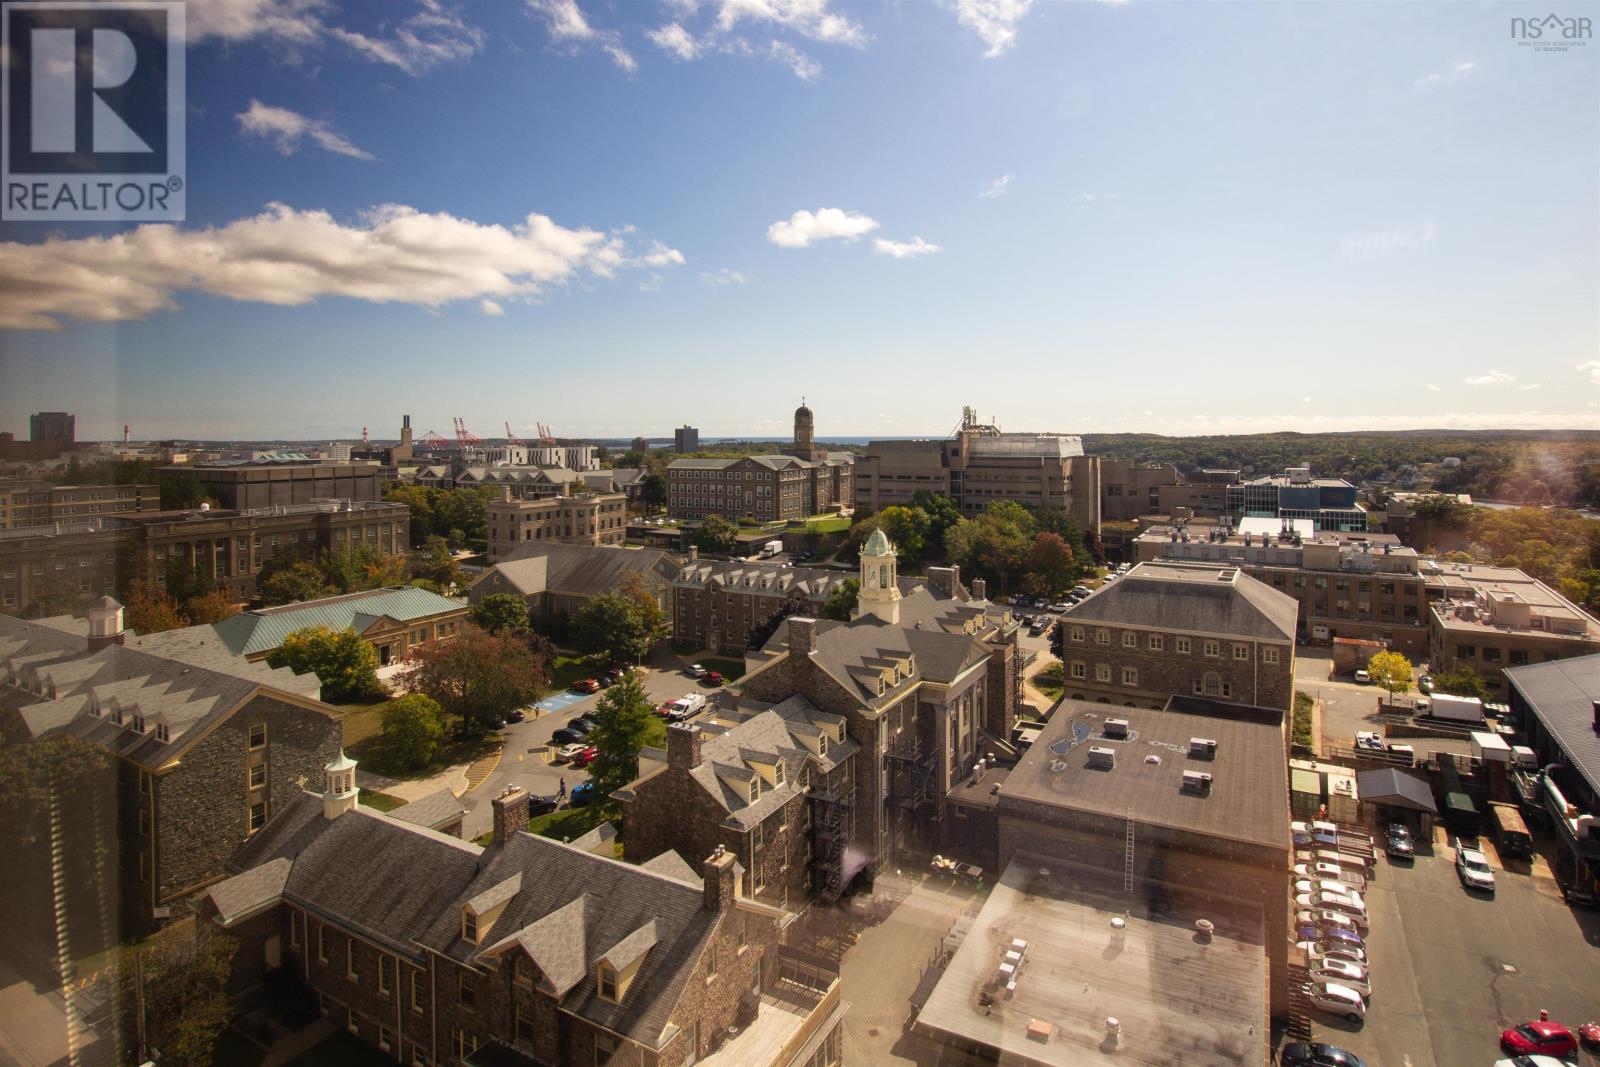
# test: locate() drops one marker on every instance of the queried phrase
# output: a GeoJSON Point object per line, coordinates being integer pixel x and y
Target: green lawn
{"type": "Point", "coordinates": [380, 801]}
{"type": "Point", "coordinates": [569, 667]}
{"type": "Point", "coordinates": [1050, 681]}
{"type": "Point", "coordinates": [374, 756]}
{"type": "Point", "coordinates": [828, 524]}
{"type": "Point", "coordinates": [730, 669]}
{"type": "Point", "coordinates": [1300, 729]}
{"type": "Point", "coordinates": [569, 824]}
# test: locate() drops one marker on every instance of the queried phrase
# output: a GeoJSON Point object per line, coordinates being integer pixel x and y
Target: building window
{"type": "Point", "coordinates": [1077, 633]}
{"type": "Point", "coordinates": [418, 1001]}
{"type": "Point", "coordinates": [352, 962]}
{"type": "Point", "coordinates": [523, 1023]}
{"type": "Point", "coordinates": [294, 929]}
{"type": "Point", "coordinates": [1181, 645]}
{"type": "Point", "coordinates": [606, 981]}
{"type": "Point", "coordinates": [1241, 651]}
{"type": "Point", "coordinates": [1102, 672]}
{"type": "Point", "coordinates": [258, 735]}
{"type": "Point", "coordinates": [385, 966]}
{"type": "Point", "coordinates": [258, 775]}
{"type": "Point", "coordinates": [1102, 637]}
{"type": "Point", "coordinates": [1130, 639]}
{"type": "Point", "coordinates": [1213, 648]}
{"type": "Point", "coordinates": [1156, 642]}
{"type": "Point", "coordinates": [1130, 676]}
{"type": "Point", "coordinates": [466, 993]}
{"type": "Point", "coordinates": [469, 926]}
{"type": "Point", "coordinates": [524, 970]}
{"type": "Point", "coordinates": [711, 963]}
{"type": "Point", "coordinates": [258, 816]}
{"type": "Point", "coordinates": [1079, 670]}
{"type": "Point", "coordinates": [1269, 655]}
{"type": "Point", "coordinates": [384, 1042]}
{"type": "Point", "coordinates": [322, 943]}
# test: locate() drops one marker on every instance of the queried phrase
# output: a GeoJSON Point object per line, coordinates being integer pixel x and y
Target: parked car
{"type": "Point", "coordinates": [543, 805]}
{"type": "Point", "coordinates": [664, 709]}
{"type": "Point", "coordinates": [1081, 590]}
{"type": "Point", "coordinates": [1398, 843]}
{"type": "Point", "coordinates": [713, 678]}
{"type": "Point", "coordinates": [586, 757]}
{"type": "Point", "coordinates": [1322, 870]}
{"type": "Point", "coordinates": [694, 670]}
{"type": "Point", "coordinates": [1332, 950]}
{"type": "Point", "coordinates": [1059, 606]}
{"type": "Point", "coordinates": [1544, 1038]}
{"type": "Point", "coordinates": [1425, 683]}
{"type": "Point", "coordinates": [586, 685]}
{"type": "Point", "coordinates": [606, 678]}
{"type": "Point", "coordinates": [570, 751]}
{"type": "Point", "coordinates": [1040, 626]}
{"type": "Point", "coordinates": [1330, 887]}
{"type": "Point", "coordinates": [583, 724]}
{"type": "Point", "coordinates": [1344, 973]}
{"type": "Point", "coordinates": [1329, 922]}
{"type": "Point", "coordinates": [582, 793]}
{"type": "Point", "coordinates": [1320, 909]}
{"type": "Point", "coordinates": [1472, 867]}
{"type": "Point", "coordinates": [515, 715]}
{"type": "Point", "coordinates": [1337, 999]}
{"type": "Point", "coordinates": [1316, 1054]}
{"type": "Point", "coordinates": [566, 736]}
{"type": "Point", "coordinates": [1589, 1034]}
{"type": "Point", "coordinates": [1534, 1060]}
{"type": "Point", "coordinates": [1370, 740]}
{"type": "Point", "coordinates": [1363, 678]}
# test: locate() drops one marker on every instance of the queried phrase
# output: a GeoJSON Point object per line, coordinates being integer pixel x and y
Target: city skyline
{"type": "Point", "coordinates": [862, 204]}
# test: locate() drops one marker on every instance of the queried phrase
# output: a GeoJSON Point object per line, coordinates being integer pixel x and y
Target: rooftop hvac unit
{"type": "Point", "coordinates": [1196, 782]}
{"type": "Point", "coordinates": [1116, 727]}
{"type": "Point", "coordinates": [1101, 756]}
{"type": "Point", "coordinates": [1202, 748]}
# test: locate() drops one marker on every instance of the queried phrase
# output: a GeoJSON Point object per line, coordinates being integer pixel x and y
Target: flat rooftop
{"type": "Point", "coordinates": [1248, 800]}
{"type": "Point", "coordinates": [1178, 999]}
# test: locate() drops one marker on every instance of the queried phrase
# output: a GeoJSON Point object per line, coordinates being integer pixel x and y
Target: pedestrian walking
{"type": "Point", "coordinates": [562, 793]}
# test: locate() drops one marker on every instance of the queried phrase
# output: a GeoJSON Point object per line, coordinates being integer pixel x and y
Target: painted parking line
{"type": "Point", "coordinates": [564, 699]}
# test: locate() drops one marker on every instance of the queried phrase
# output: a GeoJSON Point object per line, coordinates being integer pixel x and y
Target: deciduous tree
{"type": "Point", "coordinates": [149, 611]}
{"type": "Point", "coordinates": [345, 664]}
{"type": "Point", "coordinates": [501, 613]}
{"type": "Point", "coordinates": [476, 677]}
{"type": "Point", "coordinates": [841, 603]}
{"type": "Point", "coordinates": [210, 607]}
{"type": "Point", "coordinates": [716, 536]}
{"type": "Point", "coordinates": [413, 729]}
{"type": "Point", "coordinates": [1391, 671]}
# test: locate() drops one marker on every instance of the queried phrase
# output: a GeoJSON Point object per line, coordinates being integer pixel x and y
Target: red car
{"type": "Point", "coordinates": [586, 757]}
{"type": "Point", "coordinates": [664, 710]}
{"type": "Point", "coordinates": [713, 678]}
{"type": "Point", "coordinates": [588, 685]}
{"type": "Point", "coordinates": [1544, 1038]}
{"type": "Point", "coordinates": [1589, 1034]}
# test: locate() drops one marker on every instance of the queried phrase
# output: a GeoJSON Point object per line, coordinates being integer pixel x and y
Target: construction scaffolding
{"type": "Point", "coordinates": [910, 774]}
{"type": "Point", "coordinates": [832, 826]}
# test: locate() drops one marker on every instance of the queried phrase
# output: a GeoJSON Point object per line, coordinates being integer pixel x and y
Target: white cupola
{"type": "Point", "coordinates": [341, 792]}
{"type": "Point", "coordinates": [880, 586]}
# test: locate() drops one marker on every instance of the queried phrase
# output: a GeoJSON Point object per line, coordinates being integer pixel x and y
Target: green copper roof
{"type": "Point", "coordinates": [264, 629]}
{"type": "Point", "coordinates": [877, 545]}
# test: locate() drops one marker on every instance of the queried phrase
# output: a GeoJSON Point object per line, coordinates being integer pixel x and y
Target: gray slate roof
{"type": "Point", "coordinates": [264, 629]}
{"type": "Point", "coordinates": [1561, 694]}
{"type": "Point", "coordinates": [1196, 597]}
{"type": "Point", "coordinates": [202, 646]}
{"type": "Point", "coordinates": [433, 811]}
{"type": "Point", "coordinates": [580, 570]}
{"type": "Point", "coordinates": [1386, 785]}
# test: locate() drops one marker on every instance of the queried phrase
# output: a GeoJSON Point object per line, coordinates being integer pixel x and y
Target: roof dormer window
{"type": "Point", "coordinates": [777, 773]}
{"type": "Point", "coordinates": [605, 980]}
{"type": "Point", "coordinates": [138, 723]}
{"type": "Point", "coordinates": [162, 733]}
{"type": "Point", "coordinates": [469, 926]}
{"type": "Point", "coordinates": [822, 744]}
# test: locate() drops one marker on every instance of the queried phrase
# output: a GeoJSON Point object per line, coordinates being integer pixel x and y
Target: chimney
{"type": "Point", "coordinates": [683, 745]}
{"type": "Point", "coordinates": [802, 635]}
{"type": "Point", "coordinates": [942, 580]}
{"type": "Point", "coordinates": [505, 493]}
{"type": "Point", "coordinates": [510, 813]}
{"type": "Point", "coordinates": [721, 883]}
{"type": "Point", "coordinates": [980, 589]}
{"type": "Point", "coordinates": [694, 553]}
{"type": "Point", "coordinates": [105, 624]}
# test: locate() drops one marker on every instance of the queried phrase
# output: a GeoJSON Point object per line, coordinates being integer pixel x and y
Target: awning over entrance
{"type": "Point", "coordinates": [1395, 789]}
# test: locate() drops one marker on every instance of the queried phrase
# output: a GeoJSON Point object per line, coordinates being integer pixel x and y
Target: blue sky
{"type": "Point", "coordinates": [1199, 218]}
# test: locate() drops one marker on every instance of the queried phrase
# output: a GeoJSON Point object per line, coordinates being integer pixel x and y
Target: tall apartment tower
{"type": "Point", "coordinates": [53, 426]}
{"type": "Point", "coordinates": [686, 439]}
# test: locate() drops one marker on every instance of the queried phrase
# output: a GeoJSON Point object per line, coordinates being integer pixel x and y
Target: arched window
{"type": "Point", "coordinates": [883, 576]}
{"type": "Point", "coordinates": [1211, 685]}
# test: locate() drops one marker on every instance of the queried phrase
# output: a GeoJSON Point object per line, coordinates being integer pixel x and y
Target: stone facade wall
{"type": "Point", "coordinates": [722, 619]}
{"type": "Point", "coordinates": [1168, 670]}
{"type": "Point", "coordinates": [1000, 701]}
{"type": "Point", "coordinates": [202, 807]}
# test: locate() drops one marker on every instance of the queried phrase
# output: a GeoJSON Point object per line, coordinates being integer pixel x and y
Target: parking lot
{"type": "Point", "coordinates": [523, 761]}
{"type": "Point", "coordinates": [1450, 969]}
{"type": "Point", "coordinates": [1348, 707]}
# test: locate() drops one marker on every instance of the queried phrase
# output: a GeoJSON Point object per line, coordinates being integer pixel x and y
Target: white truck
{"type": "Point", "coordinates": [1457, 709]}
{"type": "Point", "coordinates": [770, 549]}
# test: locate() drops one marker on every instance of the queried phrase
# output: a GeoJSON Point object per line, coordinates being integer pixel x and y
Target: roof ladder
{"type": "Point", "coordinates": [1127, 859]}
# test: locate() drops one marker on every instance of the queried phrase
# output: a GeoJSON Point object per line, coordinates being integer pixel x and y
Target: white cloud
{"type": "Point", "coordinates": [1383, 243]}
{"type": "Point", "coordinates": [1529, 386]}
{"type": "Point", "coordinates": [724, 277]}
{"type": "Point", "coordinates": [1592, 368]}
{"type": "Point", "coordinates": [394, 254]}
{"type": "Point", "coordinates": [1434, 388]}
{"type": "Point", "coordinates": [567, 24]}
{"type": "Point", "coordinates": [994, 21]}
{"type": "Point", "coordinates": [809, 18]}
{"type": "Point", "coordinates": [804, 67]}
{"type": "Point", "coordinates": [904, 249]}
{"type": "Point", "coordinates": [1439, 79]}
{"type": "Point", "coordinates": [287, 129]}
{"type": "Point", "coordinates": [674, 39]}
{"type": "Point", "coordinates": [1494, 377]}
{"type": "Point", "coordinates": [491, 307]}
{"type": "Point", "coordinates": [432, 35]}
{"type": "Point", "coordinates": [802, 228]}
{"type": "Point", "coordinates": [998, 187]}
{"type": "Point", "coordinates": [1083, 201]}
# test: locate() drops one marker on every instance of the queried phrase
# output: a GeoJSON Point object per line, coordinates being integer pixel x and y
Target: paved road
{"type": "Point", "coordinates": [1348, 707]}
{"type": "Point", "coordinates": [1452, 969]}
{"type": "Point", "coordinates": [522, 764]}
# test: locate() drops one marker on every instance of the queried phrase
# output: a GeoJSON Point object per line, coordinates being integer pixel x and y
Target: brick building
{"type": "Point", "coordinates": [979, 465]}
{"type": "Point", "coordinates": [1366, 586]}
{"type": "Point", "coordinates": [920, 683]}
{"type": "Point", "coordinates": [267, 484]}
{"type": "Point", "coordinates": [808, 480]}
{"type": "Point", "coordinates": [716, 604]}
{"type": "Point", "coordinates": [31, 503]}
{"type": "Point", "coordinates": [100, 557]}
{"type": "Point", "coordinates": [529, 951]}
{"type": "Point", "coordinates": [1490, 618]}
{"type": "Point", "coordinates": [1195, 629]}
{"type": "Point", "coordinates": [585, 519]}
{"type": "Point", "coordinates": [392, 621]}
{"type": "Point", "coordinates": [557, 580]}
{"type": "Point", "coordinates": [204, 745]}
